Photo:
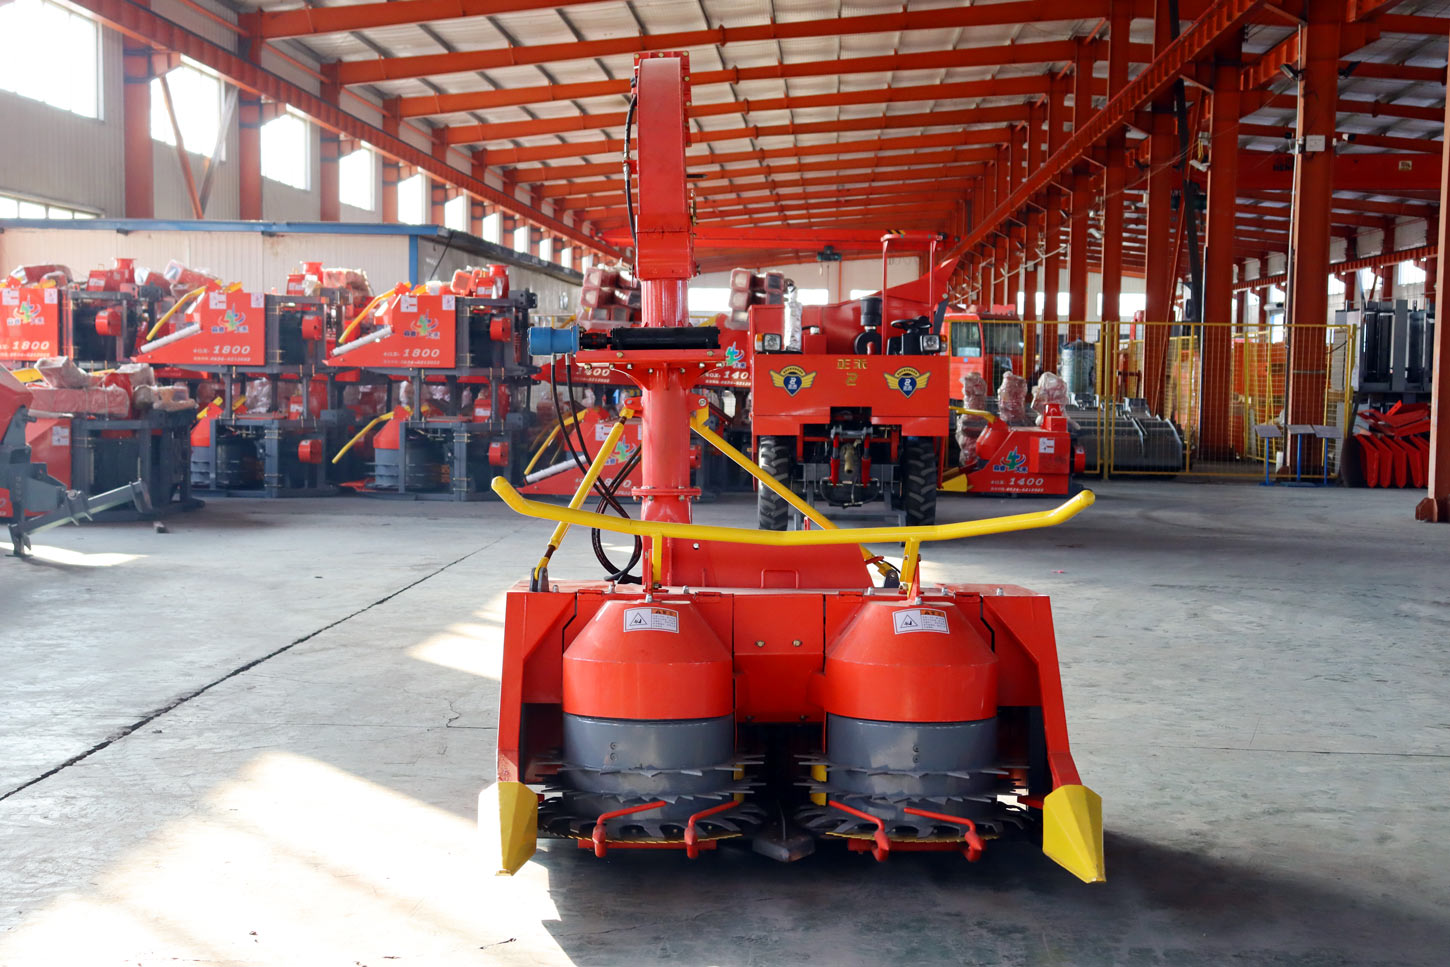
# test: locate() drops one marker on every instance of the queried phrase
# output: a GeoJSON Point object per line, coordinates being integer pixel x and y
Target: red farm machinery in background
{"type": "Point", "coordinates": [760, 684]}
{"type": "Point", "coordinates": [850, 401]}
{"type": "Point", "coordinates": [456, 355]}
{"type": "Point", "coordinates": [277, 412]}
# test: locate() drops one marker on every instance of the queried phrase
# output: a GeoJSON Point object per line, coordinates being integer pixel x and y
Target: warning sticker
{"type": "Point", "coordinates": [60, 435]}
{"type": "Point", "coordinates": [919, 619]}
{"type": "Point", "coordinates": [1047, 444]}
{"type": "Point", "coordinates": [657, 619]}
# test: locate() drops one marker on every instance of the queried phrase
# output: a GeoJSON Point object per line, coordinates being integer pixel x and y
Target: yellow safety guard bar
{"type": "Point", "coordinates": [913, 537]}
{"type": "Point", "coordinates": [357, 320]}
{"type": "Point", "coordinates": [166, 316]}
{"type": "Point", "coordinates": [381, 418]}
{"type": "Point", "coordinates": [596, 467]}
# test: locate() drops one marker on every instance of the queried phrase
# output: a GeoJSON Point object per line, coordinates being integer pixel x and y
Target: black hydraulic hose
{"type": "Point", "coordinates": [628, 191]}
{"type": "Point", "coordinates": [605, 492]}
{"type": "Point", "coordinates": [619, 575]}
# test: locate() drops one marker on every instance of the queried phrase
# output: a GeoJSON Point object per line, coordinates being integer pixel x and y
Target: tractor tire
{"type": "Point", "coordinates": [918, 480]}
{"type": "Point", "coordinates": [775, 455]}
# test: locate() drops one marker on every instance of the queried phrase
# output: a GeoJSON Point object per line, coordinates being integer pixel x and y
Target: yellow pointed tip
{"type": "Point", "coordinates": [1072, 832]}
{"type": "Point", "coordinates": [508, 820]}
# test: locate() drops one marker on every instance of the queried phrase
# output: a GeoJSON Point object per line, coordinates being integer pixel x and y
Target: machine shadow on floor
{"type": "Point", "coordinates": [1160, 906]}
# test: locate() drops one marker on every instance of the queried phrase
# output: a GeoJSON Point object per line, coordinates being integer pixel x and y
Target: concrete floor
{"type": "Point", "coordinates": [258, 739]}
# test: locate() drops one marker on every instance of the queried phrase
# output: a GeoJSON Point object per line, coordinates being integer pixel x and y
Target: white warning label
{"type": "Point", "coordinates": [919, 619]}
{"type": "Point", "coordinates": [656, 619]}
{"type": "Point", "coordinates": [1047, 444]}
{"type": "Point", "coordinates": [60, 435]}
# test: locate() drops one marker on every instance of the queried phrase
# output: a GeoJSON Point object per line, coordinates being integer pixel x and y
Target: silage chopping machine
{"type": "Point", "coordinates": [279, 411]}
{"type": "Point", "coordinates": [459, 349]}
{"type": "Point", "coordinates": [759, 684]}
{"type": "Point", "coordinates": [32, 500]}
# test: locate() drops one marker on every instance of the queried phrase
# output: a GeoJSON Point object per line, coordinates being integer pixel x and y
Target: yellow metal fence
{"type": "Point", "coordinates": [1192, 411]}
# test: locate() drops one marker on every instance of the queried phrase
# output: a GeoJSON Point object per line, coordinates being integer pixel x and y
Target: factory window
{"type": "Point", "coordinates": [284, 150]}
{"type": "Point", "coordinates": [493, 228]}
{"type": "Point", "coordinates": [1411, 274]}
{"type": "Point", "coordinates": [455, 213]}
{"type": "Point", "coordinates": [59, 64]}
{"type": "Point", "coordinates": [703, 299]}
{"type": "Point", "coordinates": [413, 200]}
{"type": "Point", "coordinates": [862, 293]}
{"type": "Point", "coordinates": [812, 297]}
{"type": "Point", "coordinates": [12, 207]}
{"type": "Point", "coordinates": [521, 238]}
{"type": "Point", "coordinates": [356, 176]}
{"type": "Point", "coordinates": [566, 257]}
{"type": "Point", "coordinates": [197, 98]}
{"type": "Point", "coordinates": [546, 249]}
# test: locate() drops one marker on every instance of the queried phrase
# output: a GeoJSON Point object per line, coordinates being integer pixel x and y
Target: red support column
{"type": "Point", "coordinates": [1436, 504]}
{"type": "Point", "coordinates": [1115, 177]}
{"type": "Point", "coordinates": [1082, 195]}
{"type": "Point", "coordinates": [1223, 175]}
{"type": "Point", "coordinates": [249, 157]}
{"type": "Point", "coordinates": [1003, 187]}
{"type": "Point", "coordinates": [392, 172]}
{"type": "Point", "coordinates": [1310, 230]}
{"type": "Point", "coordinates": [1057, 120]}
{"type": "Point", "coordinates": [138, 158]}
{"type": "Point", "coordinates": [1159, 268]}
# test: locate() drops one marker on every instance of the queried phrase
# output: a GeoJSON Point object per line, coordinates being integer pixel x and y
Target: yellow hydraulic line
{"type": "Point", "coordinates": [357, 320]}
{"type": "Point", "coordinates": [548, 439]}
{"type": "Point", "coordinates": [585, 485]}
{"type": "Point", "coordinates": [381, 418]}
{"type": "Point", "coordinates": [539, 453]}
{"type": "Point", "coordinates": [657, 530]}
{"type": "Point", "coordinates": [197, 293]}
{"type": "Point", "coordinates": [979, 414]}
{"type": "Point", "coordinates": [766, 480]}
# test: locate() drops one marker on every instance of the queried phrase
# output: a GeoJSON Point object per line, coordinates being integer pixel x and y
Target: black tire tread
{"type": "Point", "coordinates": [774, 455]}
{"type": "Point", "coordinates": [918, 480]}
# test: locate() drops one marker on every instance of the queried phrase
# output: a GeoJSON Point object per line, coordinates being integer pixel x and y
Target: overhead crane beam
{"type": "Point", "coordinates": [887, 152]}
{"type": "Point", "coordinates": [612, 146]}
{"type": "Point", "coordinates": [1045, 52]}
{"type": "Point", "coordinates": [1002, 87]}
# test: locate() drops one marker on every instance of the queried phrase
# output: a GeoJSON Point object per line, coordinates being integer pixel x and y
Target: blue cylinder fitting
{"type": "Point", "coordinates": [548, 341]}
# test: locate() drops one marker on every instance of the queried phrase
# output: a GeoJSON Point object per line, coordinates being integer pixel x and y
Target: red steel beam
{"type": "Point", "coordinates": [1347, 266]}
{"type": "Point", "coordinates": [887, 152]}
{"type": "Point", "coordinates": [510, 156]}
{"type": "Point", "coordinates": [1192, 45]}
{"type": "Point", "coordinates": [1039, 53]}
{"type": "Point", "coordinates": [1001, 87]}
{"type": "Point", "coordinates": [940, 179]}
{"type": "Point", "coordinates": [810, 203]}
{"type": "Point", "coordinates": [1377, 174]}
{"type": "Point", "coordinates": [143, 24]}
{"type": "Point", "coordinates": [930, 164]}
{"type": "Point", "coordinates": [271, 25]}
{"type": "Point", "coordinates": [989, 15]}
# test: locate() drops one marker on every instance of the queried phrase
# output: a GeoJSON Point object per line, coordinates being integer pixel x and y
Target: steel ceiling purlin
{"type": "Point", "coordinates": [147, 26]}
